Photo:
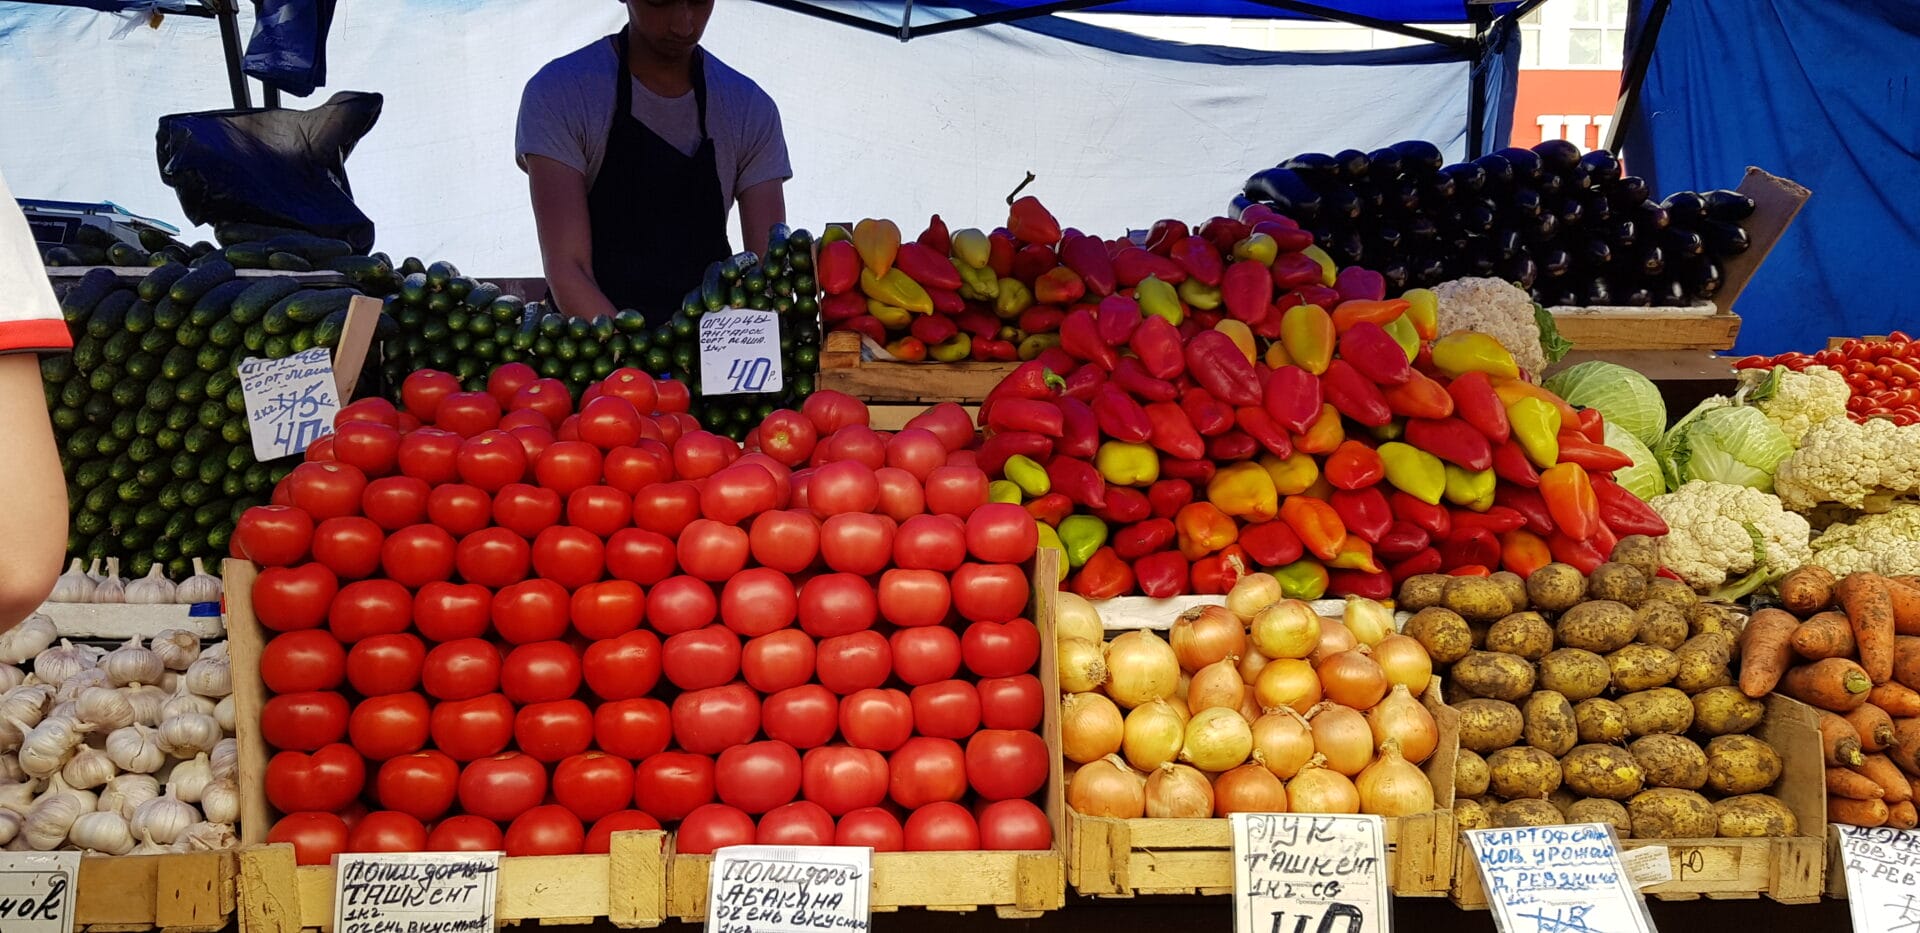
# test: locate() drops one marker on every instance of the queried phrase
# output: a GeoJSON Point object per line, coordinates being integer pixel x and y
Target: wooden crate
{"type": "Point", "coordinates": [1611, 330]}
{"type": "Point", "coordinates": [842, 369]}
{"type": "Point", "coordinates": [1790, 870]}
{"type": "Point", "coordinates": [190, 892]}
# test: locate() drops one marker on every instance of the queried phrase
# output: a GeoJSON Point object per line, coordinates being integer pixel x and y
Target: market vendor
{"type": "Point", "coordinates": [636, 148]}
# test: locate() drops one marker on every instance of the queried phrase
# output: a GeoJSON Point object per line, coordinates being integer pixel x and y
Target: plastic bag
{"type": "Point", "coordinates": [289, 45]}
{"type": "Point", "coordinates": [285, 168]}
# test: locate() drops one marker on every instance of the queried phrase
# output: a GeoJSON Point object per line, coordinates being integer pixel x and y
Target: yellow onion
{"type": "Point", "coordinates": [1108, 787]}
{"type": "Point", "coordinates": [1401, 719]}
{"type": "Point", "coordinates": [1252, 593]}
{"type": "Point", "coordinates": [1217, 684]}
{"type": "Point", "coordinates": [1206, 634]}
{"type": "Point", "coordinates": [1282, 741]}
{"type": "Point", "coordinates": [1082, 668]}
{"type": "Point", "coordinates": [1353, 679]}
{"type": "Point", "coordinates": [1369, 621]}
{"type": "Point", "coordinates": [1252, 663]}
{"type": "Point", "coordinates": [1288, 682]}
{"type": "Point", "coordinates": [1140, 667]}
{"type": "Point", "coordinates": [1335, 637]}
{"type": "Point", "coordinates": [1179, 792]}
{"type": "Point", "coordinates": [1091, 727]}
{"type": "Point", "coordinates": [1319, 789]}
{"type": "Point", "coordinates": [1180, 689]}
{"type": "Point", "coordinates": [1249, 788]}
{"type": "Point", "coordinates": [1341, 734]}
{"type": "Point", "coordinates": [1075, 617]}
{"type": "Point", "coordinates": [1153, 735]}
{"type": "Point", "coordinates": [1406, 662]}
{"type": "Point", "coordinates": [1392, 786]}
{"type": "Point", "coordinates": [1286, 629]}
{"type": "Point", "coordinates": [1249, 704]}
{"type": "Point", "coordinates": [1217, 739]}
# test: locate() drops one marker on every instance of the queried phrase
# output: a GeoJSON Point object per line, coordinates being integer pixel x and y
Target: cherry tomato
{"type": "Point", "coordinates": [924, 770]}
{"type": "Point", "coordinates": [384, 664]}
{"type": "Point", "coordinates": [600, 835]}
{"type": "Point", "coordinates": [501, 787]}
{"type": "Point", "coordinates": [632, 729]}
{"type": "Point", "coordinates": [704, 657]}
{"type": "Point", "coordinates": [304, 721]}
{"type": "Point", "coordinates": [713, 826]}
{"type": "Point", "coordinates": [296, 662]}
{"type": "Point", "coordinates": [526, 510]}
{"type": "Point", "coordinates": [451, 611]}
{"type": "Point", "coordinates": [626, 666]}
{"type": "Point", "coordinates": [472, 729]}
{"type": "Point", "coordinates": [287, 599]}
{"type": "Point", "coordinates": [710, 721]}
{"type": "Point", "coordinates": [949, 709]}
{"type": "Point", "coordinates": [842, 779]}
{"type": "Point", "coordinates": [758, 776]}
{"type": "Point", "coordinates": [941, 827]}
{"type": "Point", "coordinates": [670, 785]}
{"type": "Point", "coordinates": [681, 604]}
{"type": "Point", "coordinates": [872, 827]}
{"type": "Point", "coordinates": [419, 784]}
{"type": "Point", "coordinates": [273, 535]}
{"type": "Point", "coordinates": [571, 557]}
{"type": "Point", "coordinates": [778, 660]}
{"type": "Point", "coordinates": [881, 720]}
{"type": "Point", "coordinates": [805, 716]}
{"type": "Point", "coordinates": [1003, 764]}
{"type": "Point", "coordinates": [316, 837]}
{"type": "Point", "coordinates": [327, 780]}
{"type": "Point", "coordinates": [530, 611]}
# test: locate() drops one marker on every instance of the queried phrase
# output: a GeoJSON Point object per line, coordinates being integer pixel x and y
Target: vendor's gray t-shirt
{"type": "Point", "coordinates": [567, 109]}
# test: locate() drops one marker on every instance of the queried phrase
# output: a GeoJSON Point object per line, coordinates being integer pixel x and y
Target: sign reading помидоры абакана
{"type": "Point", "coordinates": [1558, 879]}
{"type": "Point", "coordinates": [415, 892]}
{"type": "Point", "coordinates": [790, 889]}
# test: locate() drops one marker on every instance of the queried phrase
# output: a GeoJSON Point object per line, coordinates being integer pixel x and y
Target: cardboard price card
{"type": "Point", "coordinates": [415, 892]}
{"type": "Point", "coordinates": [36, 891]}
{"type": "Point", "coordinates": [291, 402]}
{"type": "Point", "coordinates": [1558, 879]}
{"type": "Point", "coordinates": [740, 352]}
{"type": "Point", "coordinates": [789, 889]}
{"type": "Point", "coordinates": [1307, 873]}
{"type": "Point", "coordinates": [1883, 878]}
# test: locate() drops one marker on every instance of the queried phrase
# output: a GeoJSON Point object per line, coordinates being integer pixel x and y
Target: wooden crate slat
{"type": "Point", "coordinates": [1700, 328]}
{"type": "Point", "coordinates": [1023, 881]}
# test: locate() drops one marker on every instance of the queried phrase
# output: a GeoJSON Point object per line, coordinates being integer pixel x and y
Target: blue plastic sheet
{"type": "Point", "coordinates": [289, 45]}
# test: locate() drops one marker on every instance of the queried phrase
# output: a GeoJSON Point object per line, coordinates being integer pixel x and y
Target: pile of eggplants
{"type": "Point", "coordinates": [1569, 228]}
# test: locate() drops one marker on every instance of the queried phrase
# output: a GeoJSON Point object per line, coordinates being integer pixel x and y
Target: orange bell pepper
{"type": "Point", "coordinates": [877, 241]}
{"type": "Point", "coordinates": [1325, 435]}
{"type": "Point", "coordinates": [1423, 310]}
{"type": "Point", "coordinates": [1354, 465]}
{"type": "Point", "coordinates": [1513, 390]}
{"type": "Point", "coordinates": [1355, 554]}
{"type": "Point", "coordinates": [1308, 334]}
{"type": "Point", "coordinates": [1204, 529]}
{"type": "Point", "coordinates": [1523, 552]}
{"type": "Point", "coordinates": [1244, 490]}
{"type": "Point", "coordinates": [1059, 286]}
{"type": "Point", "coordinates": [1317, 524]}
{"type": "Point", "coordinates": [1293, 475]}
{"type": "Point", "coordinates": [1570, 499]}
{"type": "Point", "coordinates": [1349, 313]}
{"type": "Point", "coordinates": [1242, 337]}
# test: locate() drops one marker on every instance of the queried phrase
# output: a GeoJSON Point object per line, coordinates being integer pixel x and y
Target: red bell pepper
{"type": "Point", "coordinates": [1215, 574]}
{"type": "Point", "coordinates": [1351, 313]}
{"type": "Point", "coordinates": [1058, 286]}
{"type": "Point", "coordinates": [1118, 317]}
{"type": "Point", "coordinates": [866, 325]}
{"type": "Point", "coordinates": [1528, 503]}
{"type": "Point", "coordinates": [1080, 336]}
{"type": "Point", "coordinates": [1000, 252]}
{"type": "Point", "coordinates": [1510, 463]}
{"type": "Point", "coordinates": [1317, 524]}
{"type": "Point", "coordinates": [1604, 540]}
{"type": "Point", "coordinates": [1080, 430]}
{"type": "Point", "coordinates": [1039, 319]}
{"type": "Point", "coordinates": [1498, 519]}
{"type": "Point", "coordinates": [1223, 232]}
{"type": "Point", "coordinates": [1478, 405]}
{"type": "Point", "coordinates": [1032, 262]}
{"type": "Point", "coordinates": [1162, 575]}
{"type": "Point", "coordinates": [1293, 398]}
{"type": "Point", "coordinates": [1169, 496]}
{"type": "Point", "coordinates": [1247, 291]}
{"type": "Point", "coordinates": [1403, 540]}
{"type": "Point", "coordinates": [1199, 260]}
{"type": "Point", "coordinates": [1452, 440]}
{"type": "Point", "coordinates": [1326, 433]}
{"type": "Point", "coordinates": [1134, 265]}
{"type": "Point", "coordinates": [1125, 505]}
{"type": "Point", "coordinates": [1193, 471]}
{"type": "Point", "coordinates": [933, 329]}
{"type": "Point", "coordinates": [1104, 576]}
{"type": "Point", "coordinates": [1364, 512]}
{"type": "Point", "coordinates": [1203, 529]}
{"type": "Point", "coordinates": [1354, 465]}
{"type": "Point", "coordinates": [1295, 270]}
{"type": "Point", "coordinates": [1030, 222]}
{"type": "Point", "coordinates": [1162, 236]}
{"type": "Point", "coordinates": [936, 237]}
{"type": "Point", "coordinates": [1271, 543]}
{"type": "Point", "coordinates": [1433, 519]}
{"type": "Point", "coordinates": [1375, 354]}
{"type": "Point", "coordinates": [1419, 397]}
{"type": "Point", "coordinates": [1357, 284]}
{"type": "Point", "coordinates": [1032, 379]}
{"type": "Point", "coordinates": [1320, 295]}
{"type": "Point", "coordinates": [1571, 500]}
{"type": "Point", "coordinates": [1624, 513]}
{"type": "Point", "coordinates": [1173, 433]}
{"type": "Point", "coordinates": [843, 307]}
{"type": "Point", "coordinates": [1467, 547]}
{"type": "Point", "coordinates": [1583, 555]}
{"type": "Point", "coordinates": [1377, 586]}
{"type": "Point", "coordinates": [1215, 361]}
{"type": "Point", "coordinates": [996, 351]}
{"type": "Point", "coordinates": [1232, 447]}
{"type": "Point", "coordinates": [1260, 426]}
{"type": "Point", "coordinates": [1142, 538]}
{"type": "Point", "coordinates": [930, 269]}
{"type": "Point", "coordinates": [1596, 458]}
{"type": "Point", "coordinates": [1208, 416]}
{"type": "Point", "coordinates": [1120, 417]}
{"type": "Point", "coordinates": [1025, 414]}
{"type": "Point", "coordinates": [1471, 570]}
{"type": "Point", "coordinates": [1078, 480]}
{"type": "Point", "coordinates": [1088, 259]}
{"type": "Point", "coordinates": [1051, 509]}
{"type": "Point", "coordinates": [984, 326]}
{"type": "Point", "coordinates": [1427, 561]}
{"type": "Point", "coordinates": [995, 450]}
{"type": "Point", "coordinates": [839, 268]}
{"type": "Point", "coordinates": [1133, 377]}
{"type": "Point", "coordinates": [1593, 425]}
{"type": "Point", "coordinates": [1523, 552]}
{"type": "Point", "coordinates": [1157, 343]}
{"type": "Point", "coordinates": [1354, 395]}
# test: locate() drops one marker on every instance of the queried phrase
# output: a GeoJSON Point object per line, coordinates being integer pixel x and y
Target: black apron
{"type": "Point", "coordinates": [658, 216]}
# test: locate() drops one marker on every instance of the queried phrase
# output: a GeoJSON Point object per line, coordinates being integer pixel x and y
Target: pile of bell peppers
{"type": "Point", "coordinates": [1248, 407]}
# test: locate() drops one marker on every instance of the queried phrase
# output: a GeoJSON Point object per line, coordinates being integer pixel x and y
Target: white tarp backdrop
{"type": "Point", "coordinates": [944, 124]}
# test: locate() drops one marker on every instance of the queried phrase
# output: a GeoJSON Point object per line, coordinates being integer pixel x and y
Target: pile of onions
{"type": "Point", "coordinates": [1319, 789]}
{"type": "Point", "coordinates": [1207, 634]}
{"type": "Point", "coordinates": [1402, 721]}
{"type": "Point", "coordinates": [1249, 788]}
{"type": "Point", "coordinates": [1108, 787]}
{"type": "Point", "coordinates": [1286, 629]}
{"type": "Point", "coordinates": [1252, 663]}
{"type": "Point", "coordinates": [1405, 662]}
{"type": "Point", "coordinates": [1140, 668]}
{"type": "Point", "coordinates": [1350, 678]}
{"type": "Point", "coordinates": [1218, 739]}
{"type": "Point", "coordinates": [1335, 637]}
{"type": "Point", "coordinates": [1075, 617]}
{"type": "Point", "coordinates": [1217, 684]}
{"type": "Point", "coordinates": [1369, 621]}
{"type": "Point", "coordinates": [1091, 727]}
{"type": "Point", "coordinates": [1252, 593]}
{"type": "Point", "coordinates": [1392, 786]}
{"type": "Point", "coordinates": [1179, 792]}
{"type": "Point", "coordinates": [1288, 682]}
{"type": "Point", "coordinates": [1282, 741]}
{"type": "Point", "coordinates": [1154, 733]}
{"type": "Point", "coordinates": [1081, 663]}
{"type": "Point", "coordinates": [1342, 736]}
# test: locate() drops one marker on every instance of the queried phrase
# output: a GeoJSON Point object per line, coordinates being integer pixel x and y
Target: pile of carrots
{"type": "Point", "coordinates": [1851, 649]}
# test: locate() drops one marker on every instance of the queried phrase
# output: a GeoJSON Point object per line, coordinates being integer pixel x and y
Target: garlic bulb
{"type": "Point", "coordinates": [225, 759]}
{"type": "Point", "coordinates": [148, 847]}
{"type": "Point", "coordinates": [221, 801]}
{"type": "Point", "coordinates": [206, 837]}
{"type": "Point", "coordinates": [21, 707]}
{"type": "Point", "coordinates": [128, 791]}
{"type": "Point", "coordinates": [113, 587]}
{"type": "Point", "coordinates": [164, 818]}
{"type": "Point", "coordinates": [58, 785]}
{"type": "Point", "coordinates": [153, 589]}
{"type": "Point", "coordinates": [136, 748]}
{"type": "Point", "coordinates": [210, 676]}
{"type": "Point", "coordinates": [104, 708]}
{"type": "Point", "coordinates": [94, 573]}
{"type": "Point", "coordinates": [56, 665]}
{"type": "Point", "coordinates": [182, 702]}
{"type": "Point", "coordinates": [177, 648]}
{"type": "Point", "coordinates": [88, 768]}
{"type": "Point", "coordinates": [133, 663]}
{"type": "Point", "coordinates": [74, 586]}
{"type": "Point", "coordinates": [102, 832]}
{"type": "Point", "coordinates": [189, 734]}
{"type": "Point", "coordinates": [10, 770]}
{"type": "Point", "coordinates": [147, 700]}
{"type": "Point", "coordinates": [10, 823]}
{"type": "Point", "coordinates": [189, 779]}
{"type": "Point", "coordinates": [223, 712]}
{"type": "Point", "coordinates": [11, 677]}
{"type": "Point", "coordinates": [48, 821]}
{"type": "Point", "coordinates": [70, 689]}
{"type": "Point", "coordinates": [202, 587]}
{"type": "Point", "coordinates": [170, 681]}
{"type": "Point", "coordinates": [16, 798]}
{"type": "Point", "coordinates": [45, 748]}
{"type": "Point", "coordinates": [19, 644]}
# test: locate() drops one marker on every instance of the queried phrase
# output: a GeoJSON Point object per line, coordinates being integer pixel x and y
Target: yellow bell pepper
{"type": "Point", "coordinates": [891, 317]}
{"type": "Point", "coordinates": [1277, 355]}
{"type": "Point", "coordinates": [1014, 298]}
{"type": "Point", "coordinates": [1257, 247]}
{"type": "Point", "coordinates": [1423, 311]}
{"type": "Point", "coordinates": [1470, 489]}
{"type": "Point", "coordinates": [1198, 294]}
{"type": "Point", "coordinates": [1536, 425]}
{"type": "Point", "coordinates": [1241, 335]}
{"type": "Point", "coordinates": [1414, 471]}
{"type": "Point", "coordinates": [1124, 464]}
{"type": "Point", "coordinates": [835, 233]}
{"type": "Point", "coordinates": [1033, 345]}
{"type": "Point", "coordinates": [952, 350]}
{"type": "Point", "coordinates": [1294, 475]}
{"type": "Point", "coordinates": [1244, 490]}
{"type": "Point", "coordinates": [1307, 332]}
{"type": "Point", "coordinates": [1051, 538]}
{"type": "Point", "coordinates": [1003, 490]}
{"type": "Point", "coordinates": [1404, 333]}
{"type": "Point", "coordinates": [972, 248]}
{"type": "Point", "coordinates": [1026, 473]}
{"type": "Point", "coordinates": [1467, 352]}
{"type": "Point", "coordinates": [877, 242]}
{"type": "Point", "coordinates": [1329, 271]}
{"type": "Point", "coordinates": [976, 284]}
{"type": "Point", "coordinates": [896, 289]}
{"type": "Point", "coordinates": [1160, 300]}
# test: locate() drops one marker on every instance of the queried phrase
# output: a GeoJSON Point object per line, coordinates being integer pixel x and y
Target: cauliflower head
{"type": "Point", "coordinates": [1804, 399]}
{"type": "Point", "coordinates": [1887, 543]}
{"type": "Point", "coordinates": [1498, 309]}
{"type": "Point", "coordinates": [1726, 540]}
{"type": "Point", "coordinates": [1864, 465]}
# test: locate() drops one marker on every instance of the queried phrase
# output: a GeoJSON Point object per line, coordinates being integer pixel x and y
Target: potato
{"type": "Point", "coordinates": [1563, 799]}
{"type": "Point", "coordinates": [1512, 585]}
{"type": "Point", "coordinates": [1664, 590]}
{"type": "Point", "coordinates": [1597, 625]}
{"type": "Point", "coordinates": [1453, 693]}
{"type": "Point", "coordinates": [1600, 720]}
{"type": "Point", "coordinates": [1741, 764]}
{"type": "Point", "coordinates": [1726, 711]}
{"type": "Point", "coordinates": [1662, 624]}
{"type": "Point", "coordinates": [1441, 631]}
{"type": "Point", "coordinates": [1622, 583]}
{"type": "Point", "coordinates": [1642, 667]}
{"type": "Point", "coordinates": [1603, 771]}
{"type": "Point", "coordinates": [1639, 552]}
{"type": "Point", "coordinates": [1517, 813]}
{"type": "Point", "coordinates": [1671, 813]}
{"type": "Point", "coordinates": [1494, 675]}
{"type": "Point", "coordinates": [1523, 772]}
{"type": "Point", "coordinates": [1556, 588]}
{"type": "Point", "coordinates": [1523, 633]}
{"type": "Point", "coordinates": [1750, 816]}
{"type": "Point", "coordinates": [1422, 590]}
{"type": "Point", "coordinates": [1575, 674]}
{"type": "Point", "coordinates": [1670, 761]}
{"type": "Point", "coordinates": [1469, 814]}
{"type": "Point", "coordinates": [1477, 599]}
{"type": "Point", "coordinates": [1662, 710]}
{"type": "Point", "coordinates": [1549, 723]}
{"type": "Point", "coordinates": [1704, 663]}
{"type": "Point", "coordinates": [1487, 726]}
{"type": "Point", "coordinates": [1714, 617]}
{"type": "Point", "coordinates": [1596, 810]}
{"type": "Point", "coordinates": [1469, 774]}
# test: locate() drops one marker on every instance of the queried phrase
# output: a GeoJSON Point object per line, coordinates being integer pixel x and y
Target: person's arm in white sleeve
{"type": "Point", "coordinates": [33, 505]}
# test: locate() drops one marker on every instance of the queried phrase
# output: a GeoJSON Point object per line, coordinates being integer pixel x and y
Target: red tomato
{"type": "Point", "coordinates": [633, 385]}
{"type": "Point", "coordinates": [349, 546]}
{"type": "Point", "coordinates": [941, 827]}
{"type": "Point", "coordinates": [601, 510]}
{"type": "Point", "coordinates": [901, 496]}
{"type": "Point", "coordinates": [273, 535]}
{"type": "Point", "coordinates": [549, 397]}
{"type": "Point", "coordinates": [871, 827]}
{"type": "Point", "coordinates": [994, 649]}
{"type": "Point", "coordinates": [800, 823]}
{"type": "Point", "coordinates": [365, 608]}
{"type": "Point", "coordinates": [318, 451]}
{"type": "Point", "coordinates": [417, 555]}
{"type": "Point", "coordinates": [713, 826]}
{"type": "Point", "coordinates": [857, 543]}
{"type": "Point", "coordinates": [326, 490]}
{"type": "Point", "coordinates": [530, 611]}
{"type": "Point", "coordinates": [368, 411]}
{"type": "Point", "coordinates": [608, 610]}
{"type": "Point", "coordinates": [373, 449]}
{"type": "Point", "coordinates": [545, 830]}
{"type": "Point", "coordinates": [287, 599]}
{"type": "Point", "coordinates": [704, 657]}
{"type": "Point", "coordinates": [491, 460]}
{"type": "Point", "coordinates": [930, 542]}
{"type": "Point", "coordinates": [609, 422]}
{"type": "Point", "coordinates": [419, 784]}
{"type": "Point", "coordinates": [641, 556]}
{"type": "Point", "coordinates": [949, 709]}
{"type": "Point", "coordinates": [304, 721]}
{"type": "Point", "coordinates": [465, 834]}
{"type": "Point", "coordinates": [600, 836]}
{"type": "Point", "coordinates": [526, 510]}
{"type": "Point", "coordinates": [295, 662]}
{"type": "Point", "coordinates": [925, 655]}
{"type": "Point", "coordinates": [384, 664]}
{"type": "Point", "coordinates": [758, 776]}
{"type": "Point", "coordinates": [990, 592]}
{"type": "Point", "coordinates": [916, 451]}
{"type": "Point", "coordinates": [459, 508]}
{"type": "Point", "coordinates": [493, 557]}
{"type": "Point", "coordinates": [632, 729]}
{"type": "Point", "coordinates": [681, 604]}
{"type": "Point", "coordinates": [394, 502]}
{"type": "Point", "coordinates": [847, 664]}
{"type": "Point", "coordinates": [329, 779]}
{"type": "Point", "coordinates": [788, 436]}
{"type": "Point", "coordinates": [707, 722]}
{"type": "Point", "coordinates": [700, 454]}
{"type": "Point", "coordinates": [878, 719]}
{"type": "Point", "coordinates": [1014, 825]}
{"type": "Point", "coordinates": [667, 508]}
{"type": "Point", "coordinates": [506, 381]}
{"type": "Point", "coordinates": [571, 557]}
{"type": "Point", "coordinates": [631, 469]}
{"type": "Point", "coordinates": [423, 390]}
{"type": "Point", "coordinates": [924, 770]}
{"type": "Point", "coordinates": [534, 438]}
{"type": "Point", "coordinates": [461, 670]}
{"type": "Point", "coordinates": [316, 837]}
{"type": "Point", "coordinates": [554, 730]}
{"type": "Point", "coordinates": [712, 551]}
{"type": "Point", "coordinates": [954, 490]}
{"type": "Point", "coordinates": [1001, 533]}
{"type": "Point", "coordinates": [786, 541]}
{"type": "Point", "coordinates": [451, 611]}
{"type": "Point", "coordinates": [568, 465]}
{"type": "Point", "coordinates": [1003, 764]}
{"type": "Point", "coordinates": [540, 672]}
{"type": "Point", "coordinates": [670, 785]}
{"type": "Point", "coordinates": [429, 455]}
{"type": "Point", "coordinates": [758, 601]}
{"type": "Point", "coordinates": [502, 787]}
{"type": "Point", "coordinates": [831, 410]}
{"type": "Point", "coordinates": [834, 604]}
{"type": "Point", "coordinates": [384, 726]}
{"type": "Point", "coordinates": [739, 492]}
{"type": "Point", "coordinates": [842, 779]}
{"type": "Point", "coordinates": [803, 717]}
{"type": "Point", "coordinates": [778, 660]}
{"type": "Point", "coordinates": [854, 443]}
{"type": "Point", "coordinates": [471, 729]}
{"type": "Point", "coordinates": [914, 597]}
{"type": "Point", "coordinates": [467, 413]}
{"type": "Point", "coordinates": [841, 487]}
{"type": "Point", "coordinates": [626, 666]}
{"type": "Point", "coordinates": [949, 422]}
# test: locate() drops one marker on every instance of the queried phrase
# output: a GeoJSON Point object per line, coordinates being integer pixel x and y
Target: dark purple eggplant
{"type": "Point", "coordinates": [1467, 176]}
{"type": "Point", "coordinates": [1632, 189]}
{"type": "Point", "coordinates": [1724, 239]}
{"type": "Point", "coordinates": [1419, 157]}
{"type": "Point", "coordinates": [1405, 194]}
{"type": "Point", "coordinates": [1702, 279]}
{"type": "Point", "coordinates": [1316, 168]}
{"type": "Point", "coordinates": [1520, 269]}
{"type": "Point", "coordinates": [1639, 297]}
{"type": "Point", "coordinates": [1287, 192]}
{"type": "Point", "coordinates": [1683, 243]}
{"type": "Point", "coordinates": [1477, 219]}
{"type": "Point", "coordinates": [1551, 184]}
{"type": "Point", "coordinates": [1598, 207]}
{"type": "Point", "coordinates": [1594, 253]}
{"type": "Point", "coordinates": [1507, 243]}
{"type": "Point", "coordinates": [1353, 163]}
{"type": "Point", "coordinates": [1562, 298]}
{"type": "Point", "coordinates": [1438, 190]}
{"type": "Point", "coordinates": [1729, 206]}
{"type": "Point", "coordinates": [1526, 164]}
{"type": "Point", "coordinates": [1554, 261]}
{"type": "Point", "coordinates": [1544, 228]}
{"type": "Point", "coordinates": [1482, 261]}
{"type": "Point", "coordinates": [1421, 229]}
{"type": "Point", "coordinates": [1340, 202]}
{"type": "Point", "coordinates": [1573, 212]}
{"type": "Point", "coordinates": [1651, 262]}
{"type": "Point", "coordinates": [1685, 207]}
{"type": "Point", "coordinates": [1384, 241]}
{"type": "Point", "coordinates": [1670, 294]}
{"type": "Point", "coordinates": [1526, 202]}
{"type": "Point", "coordinates": [1384, 163]}
{"type": "Point", "coordinates": [1429, 270]}
{"type": "Point", "coordinates": [1623, 233]}
{"type": "Point", "coordinates": [1598, 291]}
{"type": "Point", "coordinates": [1346, 247]}
{"type": "Point", "coordinates": [1601, 166]}
{"type": "Point", "coordinates": [1651, 216]}
{"type": "Point", "coordinates": [1558, 155]}
{"type": "Point", "coordinates": [1499, 171]}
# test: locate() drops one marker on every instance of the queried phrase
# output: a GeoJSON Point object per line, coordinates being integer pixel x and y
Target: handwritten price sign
{"type": "Point", "coordinates": [36, 891]}
{"type": "Point", "coordinates": [1558, 879]}
{"type": "Point", "coordinates": [415, 892]}
{"type": "Point", "coordinates": [1302, 873]}
{"type": "Point", "coordinates": [740, 352]}
{"type": "Point", "coordinates": [790, 889]}
{"type": "Point", "coordinates": [291, 402]}
{"type": "Point", "coordinates": [1883, 875]}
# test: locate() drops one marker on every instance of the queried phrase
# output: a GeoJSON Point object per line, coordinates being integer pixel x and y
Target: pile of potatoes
{"type": "Point", "coordinates": [1598, 699]}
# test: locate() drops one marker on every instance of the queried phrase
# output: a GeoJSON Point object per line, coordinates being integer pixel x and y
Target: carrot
{"type": "Point", "coordinates": [1839, 741]}
{"type": "Point", "coordinates": [1869, 607]}
{"type": "Point", "coordinates": [1882, 771]}
{"type": "Point", "coordinates": [1909, 579]}
{"type": "Point", "coordinates": [1903, 815]}
{"type": "Point", "coordinates": [1873, 725]}
{"type": "Point", "coordinates": [1905, 750]}
{"type": "Point", "coordinates": [1898, 700]}
{"type": "Point", "coordinates": [1766, 648]}
{"type": "Point", "coordinates": [1853, 785]}
{"type": "Point", "coordinates": [1906, 660]}
{"type": "Point", "coordinates": [1827, 635]}
{"type": "Point", "coordinates": [1856, 812]}
{"type": "Point", "coordinates": [1835, 684]}
{"type": "Point", "coordinates": [1807, 590]}
{"type": "Point", "coordinates": [1906, 607]}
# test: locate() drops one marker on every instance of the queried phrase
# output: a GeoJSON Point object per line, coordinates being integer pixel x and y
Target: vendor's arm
{"type": "Point", "coordinates": [566, 237]}
{"type": "Point", "coordinates": [33, 504]}
{"type": "Point", "coordinates": [762, 206]}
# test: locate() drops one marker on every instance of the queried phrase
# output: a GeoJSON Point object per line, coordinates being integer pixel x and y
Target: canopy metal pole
{"type": "Point", "coordinates": [1635, 76]}
{"type": "Point", "coordinates": [1477, 85]}
{"type": "Point", "coordinates": [1008, 16]}
{"type": "Point", "coordinates": [230, 40]}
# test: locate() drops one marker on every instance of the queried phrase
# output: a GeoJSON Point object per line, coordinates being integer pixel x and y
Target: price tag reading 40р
{"type": "Point", "coordinates": [1558, 879]}
{"type": "Point", "coordinates": [1883, 877]}
{"type": "Point", "coordinates": [740, 352]}
{"type": "Point", "coordinates": [415, 892]}
{"type": "Point", "coordinates": [789, 889]}
{"type": "Point", "coordinates": [291, 402]}
{"type": "Point", "coordinates": [36, 891]}
{"type": "Point", "coordinates": [1305, 873]}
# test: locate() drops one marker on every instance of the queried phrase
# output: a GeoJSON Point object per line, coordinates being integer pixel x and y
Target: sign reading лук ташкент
{"type": "Point", "coordinates": [1310, 873]}
{"type": "Point", "coordinates": [415, 892]}
{"type": "Point", "coordinates": [1558, 879]}
{"type": "Point", "coordinates": [790, 889]}
{"type": "Point", "coordinates": [37, 891]}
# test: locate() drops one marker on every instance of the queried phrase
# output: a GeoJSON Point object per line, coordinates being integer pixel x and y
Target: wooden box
{"type": "Point", "coordinates": [843, 369]}
{"type": "Point", "coordinates": [189, 892]}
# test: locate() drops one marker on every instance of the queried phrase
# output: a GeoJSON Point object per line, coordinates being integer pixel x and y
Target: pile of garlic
{"type": "Point", "coordinates": [116, 752]}
{"type": "Point", "coordinates": [89, 584]}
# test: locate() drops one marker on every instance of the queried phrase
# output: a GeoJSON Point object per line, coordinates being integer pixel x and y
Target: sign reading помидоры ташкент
{"type": "Point", "coordinates": [415, 892]}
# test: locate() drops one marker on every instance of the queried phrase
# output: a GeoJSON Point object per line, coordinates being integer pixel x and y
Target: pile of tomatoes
{"type": "Point", "coordinates": [498, 623]}
{"type": "Point", "coordinates": [1883, 374]}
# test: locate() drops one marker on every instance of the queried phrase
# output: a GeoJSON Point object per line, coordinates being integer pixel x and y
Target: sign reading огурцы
{"type": "Point", "coordinates": [415, 892]}
{"type": "Point", "coordinates": [1309, 873]}
{"type": "Point", "coordinates": [740, 352]}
